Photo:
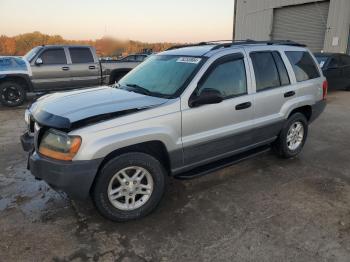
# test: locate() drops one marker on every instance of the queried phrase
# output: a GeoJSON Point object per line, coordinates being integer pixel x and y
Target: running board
{"type": "Point", "coordinates": [226, 162]}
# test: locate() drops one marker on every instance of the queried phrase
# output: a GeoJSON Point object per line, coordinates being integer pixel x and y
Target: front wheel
{"type": "Point", "coordinates": [129, 186]}
{"type": "Point", "coordinates": [292, 137]}
{"type": "Point", "coordinates": [12, 94]}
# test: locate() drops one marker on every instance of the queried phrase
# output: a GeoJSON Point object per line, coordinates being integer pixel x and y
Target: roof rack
{"type": "Point", "coordinates": [229, 43]}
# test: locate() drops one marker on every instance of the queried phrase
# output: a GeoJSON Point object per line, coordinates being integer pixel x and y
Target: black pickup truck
{"type": "Point", "coordinates": [58, 67]}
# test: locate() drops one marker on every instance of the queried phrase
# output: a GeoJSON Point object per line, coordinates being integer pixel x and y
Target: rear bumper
{"type": "Point", "coordinates": [74, 178]}
{"type": "Point", "coordinates": [317, 109]}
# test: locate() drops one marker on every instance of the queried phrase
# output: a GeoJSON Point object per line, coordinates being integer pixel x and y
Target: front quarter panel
{"type": "Point", "coordinates": [162, 123]}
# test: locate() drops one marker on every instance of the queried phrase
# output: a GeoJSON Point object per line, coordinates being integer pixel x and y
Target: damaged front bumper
{"type": "Point", "coordinates": [27, 141]}
{"type": "Point", "coordinates": [72, 177]}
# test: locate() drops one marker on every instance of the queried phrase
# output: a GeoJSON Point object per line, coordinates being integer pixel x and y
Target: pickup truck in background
{"type": "Point", "coordinates": [60, 67]}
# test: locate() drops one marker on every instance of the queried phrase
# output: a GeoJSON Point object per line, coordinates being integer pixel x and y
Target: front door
{"type": "Point", "coordinates": [52, 73]}
{"type": "Point", "coordinates": [213, 131]}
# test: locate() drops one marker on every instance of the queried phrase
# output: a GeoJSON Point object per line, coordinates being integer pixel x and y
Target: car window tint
{"type": "Point", "coordinates": [303, 65]}
{"type": "Point", "coordinates": [345, 60]}
{"type": "Point", "coordinates": [229, 78]}
{"type": "Point", "coordinates": [54, 56]}
{"type": "Point", "coordinates": [81, 55]}
{"type": "Point", "coordinates": [282, 70]}
{"type": "Point", "coordinates": [140, 58]}
{"type": "Point", "coordinates": [334, 62]}
{"type": "Point", "coordinates": [130, 58]}
{"type": "Point", "coordinates": [265, 69]}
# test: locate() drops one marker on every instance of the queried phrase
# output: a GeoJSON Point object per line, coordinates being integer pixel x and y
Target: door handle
{"type": "Point", "coordinates": [289, 94]}
{"type": "Point", "coordinates": [243, 106]}
{"type": "Point", "coordinates": [65, 68]}
{"type": "Point", "coordinates": [92, 67]}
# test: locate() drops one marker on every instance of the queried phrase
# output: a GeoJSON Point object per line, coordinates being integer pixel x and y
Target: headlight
{"type": "Point", "coordinates": [27, 116]}
{"type": "Point", "coordinates": [59, 145]}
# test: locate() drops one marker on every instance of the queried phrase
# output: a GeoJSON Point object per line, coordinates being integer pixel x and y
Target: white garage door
{"type": "Point", "coordinates": [305, 24]}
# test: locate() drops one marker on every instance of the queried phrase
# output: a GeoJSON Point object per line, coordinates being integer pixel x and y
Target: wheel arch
{"type": "Point", "coordinates": [118, 72]}
{"type": "Point", "coordinates": [22, 79]}
{"type": "Point", "coordinates": [155, 148]}
{"type": "Point", "coordinates": [306, 110]}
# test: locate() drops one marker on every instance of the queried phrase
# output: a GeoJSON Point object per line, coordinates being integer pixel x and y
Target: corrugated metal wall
{"type": "Point", "coordinates": [306, 24]}
{"type": "Point", "coordinates": [254, 20]}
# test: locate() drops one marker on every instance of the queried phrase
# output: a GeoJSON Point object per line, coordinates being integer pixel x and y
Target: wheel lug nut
{"type": "Point", "coordinates": [135, 182]}
{"type": "Point", "coordinates": [127, 183]}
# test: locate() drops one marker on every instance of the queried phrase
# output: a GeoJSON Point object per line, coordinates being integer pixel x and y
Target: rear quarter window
{"type": "Point", "coordinates": [303, 65]}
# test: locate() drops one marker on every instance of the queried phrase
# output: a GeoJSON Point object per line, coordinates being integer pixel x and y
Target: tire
{"type": "Point", "coordinates": [12, 94]}
{"type": "Point", "coordinates": [290, 149]}
{"type": "Point", "coordinates": [108, 180]}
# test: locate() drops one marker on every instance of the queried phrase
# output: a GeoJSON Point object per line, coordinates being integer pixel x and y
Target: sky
{"type": "Point", "coordinates": [144, 20]}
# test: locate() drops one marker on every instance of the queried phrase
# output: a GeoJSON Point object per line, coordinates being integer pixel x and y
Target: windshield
{"type": "Point", "coordinates": [32, 53]}
{"type": "Point", "coordinates": [321, 60]}
{"type": "Point", "coordinates": [161, 75]}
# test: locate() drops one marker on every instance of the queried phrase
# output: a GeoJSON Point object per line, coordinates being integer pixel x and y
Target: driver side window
{"type": "Point", "coordinates": [228, 77]}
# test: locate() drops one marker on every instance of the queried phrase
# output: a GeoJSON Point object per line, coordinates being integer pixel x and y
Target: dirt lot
{"type": "Point", "coordinates": [264, 209]}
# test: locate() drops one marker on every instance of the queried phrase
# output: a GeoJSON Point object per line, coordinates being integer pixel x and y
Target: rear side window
{"type": "Point", "coordinates": [140, 58]}
{"type": "Point", "coordinates": [81, 55]}
{"type": "Point", "coordinates": [265, 69]}
{"type": "Point", "coordinates": [345, 60]}
{"type": "Point", "coordinates": [334, 62]}
{"type": "Point", "coordinates": [130, 58]}
{"type": "Point", "coordinates": [284, 77]}
{"type": "Point", "coordinates": [229, 78]}
{"type": "Point", "coordinates": [303, 65]}
{"type": "Point", "coordinates": [54, 56]}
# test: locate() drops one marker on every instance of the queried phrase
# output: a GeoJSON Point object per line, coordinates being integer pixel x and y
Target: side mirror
{"type": "Point", "coordinates": [207, 96]}
{"type": "Point", "coordinates": [39, 61]}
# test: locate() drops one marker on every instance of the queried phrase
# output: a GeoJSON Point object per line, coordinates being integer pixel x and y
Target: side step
{"type": "Point", "coordinates": [212, 167]}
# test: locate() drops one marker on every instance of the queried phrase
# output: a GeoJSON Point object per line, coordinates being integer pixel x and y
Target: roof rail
{"type": "Point", "coordinates": [229, 43]}
{"type": "Point", "coordinates": [253, 42]}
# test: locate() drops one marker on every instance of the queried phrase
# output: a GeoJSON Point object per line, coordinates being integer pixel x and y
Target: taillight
{"type": "Point", "coordinates": [324, 89]}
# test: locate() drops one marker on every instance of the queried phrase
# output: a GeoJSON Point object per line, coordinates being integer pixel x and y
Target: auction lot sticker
{"type": "Point", "coordinates": [189, 60]}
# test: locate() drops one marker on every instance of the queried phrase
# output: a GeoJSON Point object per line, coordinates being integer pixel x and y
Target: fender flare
{"type": "Point", "coordinates": [22, 77]}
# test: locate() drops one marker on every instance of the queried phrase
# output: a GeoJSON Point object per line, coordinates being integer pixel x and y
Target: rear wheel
{"type": "Point", "coordinates": [129, 186]}
{"type": "Point", "coordinates": [293, 135]}
{"type": "Point", "coordinates": [12, 94]}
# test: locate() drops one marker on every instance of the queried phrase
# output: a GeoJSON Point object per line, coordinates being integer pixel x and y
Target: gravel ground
{"type": "Point", "coordinates": [263, 209]}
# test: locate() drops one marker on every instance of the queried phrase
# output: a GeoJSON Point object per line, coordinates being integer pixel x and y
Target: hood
{"type": "Point", "coordinates": [63, 110]}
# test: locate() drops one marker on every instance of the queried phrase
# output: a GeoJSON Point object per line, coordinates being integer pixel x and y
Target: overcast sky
{"type": "Point", "coordinates": [145, 20]}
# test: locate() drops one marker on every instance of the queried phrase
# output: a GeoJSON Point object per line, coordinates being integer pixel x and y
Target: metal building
{"type": "Point", "coordinates": [323, 25]}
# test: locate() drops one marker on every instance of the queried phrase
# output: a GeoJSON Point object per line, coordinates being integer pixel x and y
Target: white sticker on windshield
{"type": "Point", "coordinates": [322, 64]}
{"type": "Point", "coordinates": [189, 60]}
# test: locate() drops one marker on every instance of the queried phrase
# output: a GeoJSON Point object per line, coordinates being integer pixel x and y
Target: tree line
{"type": "Point", "coordinates": [105, 47]}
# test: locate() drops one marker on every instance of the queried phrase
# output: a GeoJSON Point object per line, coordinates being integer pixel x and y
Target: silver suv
{"type": "Point", "coordinates": [183, 112]}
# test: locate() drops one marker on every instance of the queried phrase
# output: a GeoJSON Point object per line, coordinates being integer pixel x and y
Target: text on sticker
{"type": "Point", "coordinates": [190, 60]}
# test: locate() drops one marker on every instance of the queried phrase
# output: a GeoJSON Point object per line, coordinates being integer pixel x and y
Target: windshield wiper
{"type": "Point", "coordinates": [139, 89]}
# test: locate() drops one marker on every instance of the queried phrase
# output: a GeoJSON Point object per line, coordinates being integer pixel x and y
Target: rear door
{"type": "Point", "coordinates": [84, 68]}
{"type": "Point", "coordinates": [53, 73]}
{"type": "Point", "coordinates": [273, 90]}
